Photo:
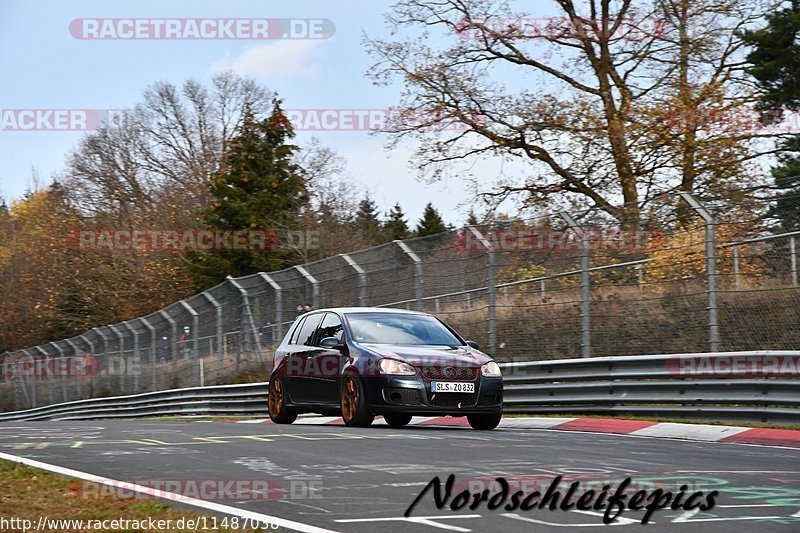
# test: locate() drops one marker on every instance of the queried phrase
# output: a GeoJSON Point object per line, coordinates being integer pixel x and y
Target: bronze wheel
{"type": "Point", "coordinates": [354, 409]}
{"type": "Point", "coordinates": [276, 402]}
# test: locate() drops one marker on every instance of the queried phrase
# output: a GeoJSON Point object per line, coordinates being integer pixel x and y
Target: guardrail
{"type": "Point", "coordinates": [746, 386]}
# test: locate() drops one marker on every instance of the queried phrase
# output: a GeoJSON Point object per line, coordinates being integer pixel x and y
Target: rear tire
{"type": "Point", "coordinates": [397, 420]}
{"type": "Point", "coordinates": [354, 406]}
{"type": "Point", "coordinates": [279, 413]}
{"type": "Point", "coordinates": [484, 422]}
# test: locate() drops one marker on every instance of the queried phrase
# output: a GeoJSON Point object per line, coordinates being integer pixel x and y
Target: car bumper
{"type": "Point", "coordinates": [412, 395]}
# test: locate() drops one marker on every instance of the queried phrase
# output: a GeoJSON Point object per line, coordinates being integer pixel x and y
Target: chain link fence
{"type": "Point", "coordinates": [558, 286]}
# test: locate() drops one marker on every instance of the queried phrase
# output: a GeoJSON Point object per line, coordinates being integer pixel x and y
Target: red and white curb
{"type": "Point", "coordinates": [639, 428]}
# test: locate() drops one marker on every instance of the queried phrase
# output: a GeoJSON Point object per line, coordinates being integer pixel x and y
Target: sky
{"type": "Point", "coordinates": [46, 67]}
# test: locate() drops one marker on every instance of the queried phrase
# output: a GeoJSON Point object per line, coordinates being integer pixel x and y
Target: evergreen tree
{"type": "Point", "coordinates": [472, 220]}
{"type": "Point", "coordinates": [396, 227]}
{"type": "Point", "coordinates": [775, 64]}
{"type": "Point", "coordinates": [257, 187]}
{"type": "Point", "coordinates": [366, 221]}
{"type": "Point", "coordinates": [431, 222]}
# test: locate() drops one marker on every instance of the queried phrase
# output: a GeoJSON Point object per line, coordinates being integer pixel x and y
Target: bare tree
{"type": "Point", "coordinates": [594, 100]}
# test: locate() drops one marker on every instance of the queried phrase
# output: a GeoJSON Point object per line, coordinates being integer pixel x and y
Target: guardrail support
{"type": "Point", "coordinates": [793, 260]}
{"type": "Point", "coordinates": [362, 279]}
{"type": "Point", "coordinates": [586, 317]}
{"type": "Point", "coordinates": [123, 366]}
{"type": "Point", "coordinates": [736, 283]}
{"type": "Point", "coordinates": [278, 305]}
{"type": "Point", "coordinates": [314, 285]}
{"type": "Point", "coordinates": [195, 327]}
{"type": "Point", "coordinates": [491, 289]}
{"type": "Point", "coordinates": [711, 268]}
{"type": "Point", "coordinates": [417, 271]}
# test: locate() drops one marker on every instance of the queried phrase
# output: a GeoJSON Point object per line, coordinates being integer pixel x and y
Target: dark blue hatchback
{"type": "Point", "coordinates": [361, 362]}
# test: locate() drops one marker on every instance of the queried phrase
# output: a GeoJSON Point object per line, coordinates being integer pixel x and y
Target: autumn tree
{"type": "Point", "coordinates": [600, 105]}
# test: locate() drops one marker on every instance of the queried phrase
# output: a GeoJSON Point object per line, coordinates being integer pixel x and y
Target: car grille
{"type": "Point", "coordinates": [401, 396]}
{"type": "Point", "coordinates": [449, 373]}
{"type": "Point", "coordinates": [452, 399]}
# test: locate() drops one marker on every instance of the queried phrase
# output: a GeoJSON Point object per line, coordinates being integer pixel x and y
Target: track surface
{"type": "Point", "coordinates": [346, 479]}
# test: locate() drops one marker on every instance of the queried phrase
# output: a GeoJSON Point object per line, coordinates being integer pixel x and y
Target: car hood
{"type": "Point", "coordinates": [431, 355]}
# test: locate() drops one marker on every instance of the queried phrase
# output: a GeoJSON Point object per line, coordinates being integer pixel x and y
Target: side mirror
{"type": "Point", "coordinates": [332, 343]}
{"type": "Point", "coordinates": [473, 344]}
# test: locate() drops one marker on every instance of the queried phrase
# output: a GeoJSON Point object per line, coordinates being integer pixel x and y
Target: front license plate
{"type": "Point", "coordinates": [452, 386]}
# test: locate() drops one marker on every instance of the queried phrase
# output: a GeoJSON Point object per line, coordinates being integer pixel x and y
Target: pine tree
{"type": "Point", "coordinates": [257, 187]}
{"type": "Point", "coordinates": [431, 222]}
{"type": "Point", "coordinates": [775, 64]}
{"type": "Point", "coordinates": [366, 221]}
{"type": "Point", "coordinates": [395, 227]}
{"type": "Point", "coordinates": [472, 219]}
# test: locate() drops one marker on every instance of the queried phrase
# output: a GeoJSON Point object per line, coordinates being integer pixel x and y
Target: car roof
{"type": "Point", "coordinates": [354, 310]}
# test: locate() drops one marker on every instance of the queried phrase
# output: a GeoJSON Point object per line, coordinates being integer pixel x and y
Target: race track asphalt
{"type": "Point", "coordinates": [363, 480]}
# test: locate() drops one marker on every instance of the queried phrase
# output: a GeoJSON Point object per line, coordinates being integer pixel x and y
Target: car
{"type": "Point", "coordinates": [360, 362]}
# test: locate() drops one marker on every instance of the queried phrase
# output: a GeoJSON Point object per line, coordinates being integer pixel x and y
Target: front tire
{"type": "Point", "coordinates": [397, 420]}
{"type": "Point", "coordinates": [484, 422]}
{"type": "Point", "coordinates": [279, 413]}
{"type": "Point", "coordinates": [354, 406]}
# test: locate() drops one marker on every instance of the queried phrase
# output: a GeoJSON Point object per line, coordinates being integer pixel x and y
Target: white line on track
{"type": "Point", "coordinates": [150, 491]}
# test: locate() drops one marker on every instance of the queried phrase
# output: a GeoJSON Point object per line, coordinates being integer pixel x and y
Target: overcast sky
{"type": "Point", "coordinates": [46, 67]}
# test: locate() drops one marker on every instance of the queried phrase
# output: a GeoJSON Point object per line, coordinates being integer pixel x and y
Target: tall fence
{"type": "Point", "coordinates": [559, 286]}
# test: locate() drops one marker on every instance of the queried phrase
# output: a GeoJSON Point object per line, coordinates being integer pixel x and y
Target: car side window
{"type": "Point", "coordinates": [296, 332]}
{"type": "Point", "coordinates": [331, 326]}
{"type": "Point", "coordinates": [307, 330]}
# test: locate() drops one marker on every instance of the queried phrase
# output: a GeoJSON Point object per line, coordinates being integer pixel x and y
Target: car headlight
{"type": "Point", "coordinates": [396, 368]}
{"type": "Point", "coordinates": [491, 369]}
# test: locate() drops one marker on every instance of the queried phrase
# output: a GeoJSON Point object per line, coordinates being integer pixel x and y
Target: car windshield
{"type": "Point", "coordinates": [395, 328]}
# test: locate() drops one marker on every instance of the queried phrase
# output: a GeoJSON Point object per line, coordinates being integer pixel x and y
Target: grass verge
{"type": "Point", "coordinates": [29, 493]}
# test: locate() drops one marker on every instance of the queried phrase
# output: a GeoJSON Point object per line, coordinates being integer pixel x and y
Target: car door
{"type": "Point", "coordinates": [326, 362]}
{"type": "Point", "coordinates": [297, 367]}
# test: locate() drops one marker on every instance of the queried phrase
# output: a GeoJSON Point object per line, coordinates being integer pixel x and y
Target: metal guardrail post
{"type": "Point", "coordinates": [37, 372]}
{"type": "Point", "coordinates": [736, 283]}
{"type": "Point", "coordinates": [33, 377]}
{"type": "Point", "coordinates": [195, 342]}
{"type": "Point", "coordinates": [793, 259]}
{"type": "Point", "coordinates": [137, 360]}
{"type": "Point", "coordinates": [278, 305]}
{"type": "Point", "coordinates": [417, 271]}
{"type": "Point", "coordinates": [248, 317]}
{"type": "Point", "coordinates": [586, 317]}
{"type": "Point", "coordinates": [153, 349]}
{"type": "Point", "coordinates": [75, 377]}
{"type": "Point", "coordinates": [104, 337]}
{"type": "Point", "coordinates": [491, 289]}
{"type": "Point", "coordinates": [16, 377]}
{"type": "Point", "coordinates": [314, 285]}
{"type": "Point", "coordinates": [220, 350]}
{"type": "Point", "coordinates": [173, 340]}
{"type": "Point", "coordinates": [122, 363]}
{"type": "Point", "coordinates": [195, 326]}
{"type": "Point", "coordinates": [711, 268]}
{"type": "Point", "coordinates": [362, 279]}
{"type": "Point", "coordinates": [64, 369]}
